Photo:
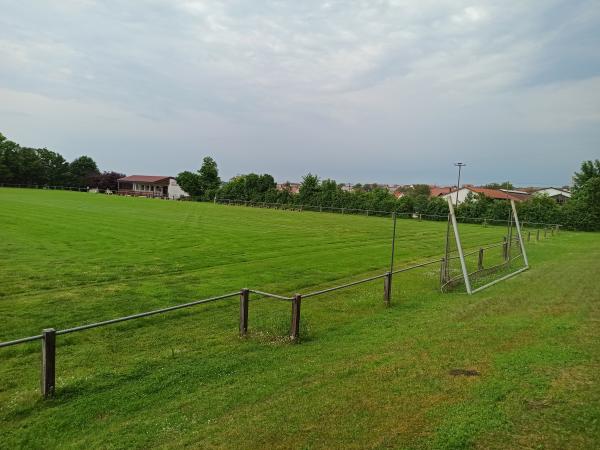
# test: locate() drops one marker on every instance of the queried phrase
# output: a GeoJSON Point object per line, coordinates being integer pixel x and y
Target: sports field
{"type": "Point", "coordinates": [362, 376]}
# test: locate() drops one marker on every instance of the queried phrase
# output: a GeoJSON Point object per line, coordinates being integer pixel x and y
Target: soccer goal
{"type": "Point", "coordinates": [480, 253]}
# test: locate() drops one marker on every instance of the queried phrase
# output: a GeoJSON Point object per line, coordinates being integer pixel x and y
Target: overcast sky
{"type": "Point", "coordinates": [359, 91]}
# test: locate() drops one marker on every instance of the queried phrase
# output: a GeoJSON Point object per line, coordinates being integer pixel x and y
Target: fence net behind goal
{"type": "Point", "coordinates": [480, 251]}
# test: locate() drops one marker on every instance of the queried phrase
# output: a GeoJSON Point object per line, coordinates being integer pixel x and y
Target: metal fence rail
{"type": "Point", "coordinates": [48, 336]}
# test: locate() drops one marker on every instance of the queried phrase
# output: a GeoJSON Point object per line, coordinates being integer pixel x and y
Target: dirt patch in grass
{"type": "Point", "coordinates": [464, 373]}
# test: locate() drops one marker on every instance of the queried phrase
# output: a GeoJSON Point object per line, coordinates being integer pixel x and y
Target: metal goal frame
{"type": "Point", "coordinates": [461, 255]}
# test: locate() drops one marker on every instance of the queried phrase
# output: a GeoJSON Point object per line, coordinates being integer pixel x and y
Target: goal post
{"type": "Point", "coordinates": [507, 245]}
{"type": "Point", "coordinates": [461, 254]}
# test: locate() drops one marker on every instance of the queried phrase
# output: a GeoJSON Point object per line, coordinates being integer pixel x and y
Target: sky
{"type": "Point", "coordinates": [387, 91]}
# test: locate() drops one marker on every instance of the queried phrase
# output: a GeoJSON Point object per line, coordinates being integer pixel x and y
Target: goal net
{"type": "Point", "coordinates": [481, 252]}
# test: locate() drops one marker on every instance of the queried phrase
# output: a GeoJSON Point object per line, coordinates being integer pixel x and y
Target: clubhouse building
{"type": "Point", "coordinates": [152, 186]}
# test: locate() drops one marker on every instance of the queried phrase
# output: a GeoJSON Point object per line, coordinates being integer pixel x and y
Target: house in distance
{"type": "Point", "coordinates": [152, 186]}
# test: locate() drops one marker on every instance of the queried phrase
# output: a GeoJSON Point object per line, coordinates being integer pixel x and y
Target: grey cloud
{"type": "Point", "coordinates": [361, 91]}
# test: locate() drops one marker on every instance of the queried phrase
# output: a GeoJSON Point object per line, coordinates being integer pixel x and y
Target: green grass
{"type": "Point", "coordinates": [363, 375]}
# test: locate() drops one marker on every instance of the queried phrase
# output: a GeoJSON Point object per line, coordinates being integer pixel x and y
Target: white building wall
{"type": "Point", "coordinates": [175, 192]}
{"type": "Point", "coordinates": [462, 195]}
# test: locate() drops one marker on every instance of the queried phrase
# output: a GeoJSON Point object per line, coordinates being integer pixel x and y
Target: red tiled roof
{"type": "Point", "coordinates": [496, 194]}
{"type": "Point", "coordinates": [143, 179]}
{"type": "Point", "coordinates": [437, 191]}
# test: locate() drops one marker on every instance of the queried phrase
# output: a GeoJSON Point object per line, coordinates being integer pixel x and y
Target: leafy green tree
{"type": "Point", "coordinates": [55, 169]}
{"type": "Point", "coordinates": [209, 174]}
{"type": "Point", "coordinates": [82, 169]}
{"type": "Point", "coordinates": [582, 212]}
{"type": "Point", "coordinates": [589, 170]}
{"type": "Point", "coordinates": [309, 190]}
{"type": "Point", "coordinates": [539, 208]}
{"type": "Point", "coordinates": [419, 190]}
{"type": "Point", "coordinates": [190, 183]}
{"type": "Point", "coordinates": [504, 185]}
{"type": "Point", "coordinates": [250, 187]}
{"type": "Point", "coordinates": [204, 183]}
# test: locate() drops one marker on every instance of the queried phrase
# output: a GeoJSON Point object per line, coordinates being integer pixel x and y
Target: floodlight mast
{"type": "Point", "coordinates": [460, 165]}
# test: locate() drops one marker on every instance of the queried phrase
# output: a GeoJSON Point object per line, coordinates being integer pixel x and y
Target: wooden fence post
{"type": "Point", "coordinates": [552, 231]}
{"type": "Point", "coordinates": [244, 299]}
{"type": "Point", "coordinates": [387, 288]}
{"type": "Point", "coordinates": [295, 328]}
{"type": "Point", "coordinates": [537, 236]}
{"type": "Point", "coordinates": [545, 232]}
{"type": "Point", "coordinates": [480, 260]}
{"type": "Point", "coordinates": [505, 249]}
{"type": "Point", "coordinates": [528, 236]}
{"type": "Point", "coordinates": [47, 380]}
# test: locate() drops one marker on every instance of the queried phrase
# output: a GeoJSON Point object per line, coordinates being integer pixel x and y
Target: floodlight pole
{"type": "Point", "coordinates": [460, 165]}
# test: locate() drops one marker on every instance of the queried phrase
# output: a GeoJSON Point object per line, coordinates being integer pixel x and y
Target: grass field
{"type": "Point", "coordinates": [363, 375]}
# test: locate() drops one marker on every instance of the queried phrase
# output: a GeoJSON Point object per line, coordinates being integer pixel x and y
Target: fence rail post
{"type": "Point", "coordinates": [480, 260]}
{"type": "Point", "coordinates": [443, 272]}
{"type": "Point", "coordinates": [295, 326]}
{"type": "Point", "coordinates": [48, 375]}
{"type": "Point", "coordinates": [505, 249]}
{"type": "Point", "coordinates": [528, 236]}
{"type": "Point", "coordinates": [387, 288]}
{"type": "Point", "coordinates": [537, 236]}
{"type": "Point", "coordinates": [545, 232]}
{"type": "Point", "coordinates": [244, 300]}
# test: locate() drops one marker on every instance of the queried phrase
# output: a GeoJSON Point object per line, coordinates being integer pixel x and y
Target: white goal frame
{"type": "Point", "coordinates": [461, 255]}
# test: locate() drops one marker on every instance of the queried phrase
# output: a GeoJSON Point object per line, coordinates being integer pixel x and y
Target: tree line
{"type": "Point", "coordinates": [581, 212]}
{"type": "Point", "coordinates": [42, 167]}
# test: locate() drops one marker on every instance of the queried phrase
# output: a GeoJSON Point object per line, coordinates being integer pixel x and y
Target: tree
{"type": "Point", "coordinates": [539, 208]}
{"type": "Point", "coordinates": [209, 174]}
{"type": "Point", "coordinates": [106, 180]}
{"type": "Point", "coordinates": [589, 169]}
{"type": "Point", "coordinates": [55, 168]}
{"type": "Point", "coordinates": [419, 190]}
{"type": "Point", "coordinates": [250, 187]}
{"type": "Point", "coordinates": [190, 183]}
{"type": "Point", "coordinates": [204, 183]}
{"type": "Point", "coordinates": [82, 169]}
{"type": "Point", "coordinates": [309, 189]}
{"type": "Point", "coordinates": [504, 185]}
{"type": "Point", "coordinates": [582, 212]}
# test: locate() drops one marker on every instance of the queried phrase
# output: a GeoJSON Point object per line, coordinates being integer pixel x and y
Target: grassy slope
{"type": "Point", "coordinates": [364, 376]}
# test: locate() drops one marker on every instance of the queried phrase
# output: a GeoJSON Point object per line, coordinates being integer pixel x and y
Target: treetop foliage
{"type": "Point", "coordinates": [40, 166]}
